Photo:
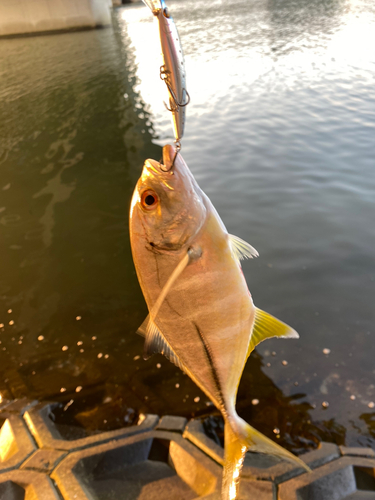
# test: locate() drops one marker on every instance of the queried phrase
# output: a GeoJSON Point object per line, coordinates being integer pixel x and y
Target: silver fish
{"type": "Point", "coordinates": [173, 70]}
{"type": "Point", "coordinates": [201, 313]}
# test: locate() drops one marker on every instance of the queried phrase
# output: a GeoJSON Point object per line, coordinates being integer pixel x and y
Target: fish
{"type": "Point", "coordinates": [173, 69]}
{"type": "Point", "coordinates": [201, 313]}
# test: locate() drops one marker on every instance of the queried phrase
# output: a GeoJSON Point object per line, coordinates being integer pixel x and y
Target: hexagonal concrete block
{"type": "Point", "coordinates": [172, 424]}
{"type": "Point", "coordinates": [357, 452]}
{"type": "Point", "coordinates": [44, 460]}
{"type": "Point", "coordinates": [150, 466]}
{"type": "Point", "coordinates": [347, 478]}
{"type": "Point", "coordinates": [18, 406]}
{"type": "Point", "coordinates": [16, 443]}
{"type": "Point", "coordinates": [47, 435]}
{"type": "Point", "coordinates": [26, 485]}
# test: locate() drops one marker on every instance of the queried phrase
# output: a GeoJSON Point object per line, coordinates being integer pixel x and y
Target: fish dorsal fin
{"type": "Point", "coordinates": [240, 249]}
{"type": "Point", "coordinates": [266, 327]}
{"type": "Point", "coordinates": [155, 342]}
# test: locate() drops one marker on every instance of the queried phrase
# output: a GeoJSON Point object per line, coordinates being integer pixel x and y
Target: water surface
{"type": "Point", "coordinates": [280, 134]}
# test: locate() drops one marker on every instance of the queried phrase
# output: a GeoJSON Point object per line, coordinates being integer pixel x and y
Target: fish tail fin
{"type": "Point", "coordinates": [239, 437]}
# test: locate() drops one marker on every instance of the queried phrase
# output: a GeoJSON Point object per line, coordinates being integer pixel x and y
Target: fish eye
{"type": "Point", "coordinates": [166, 13]}
{"type": "Point", "coordinates": [149, 199]}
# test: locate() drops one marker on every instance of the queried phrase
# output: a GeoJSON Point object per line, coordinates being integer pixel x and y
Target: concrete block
{"type": "Point", "coordinates": [26, 485]}
{"type": "Point", "coordinates": [345, 478]}
{"type": "Point", "coordinates": [47, 435]}
{"type": "Point", "coordinates": [357, 452]}
{"type": "Point", "coordinates": [172, 424]}
{"type": "Point", "coordinates": [18, 406]}
{"type": "Point", "coordinates": [16, 443]}
{"type": "Point", "coordinates": [148, 466]}
{"type": "Point", "coordinates": [326, 452]}
{"type": "Point", "coordinates": [44, 460]}
{"type": "Point", "coordinates": [194, 432]}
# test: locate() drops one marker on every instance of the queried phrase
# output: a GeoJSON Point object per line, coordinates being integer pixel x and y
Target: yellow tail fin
{"type": "Point", "coordinates": [238, 439]}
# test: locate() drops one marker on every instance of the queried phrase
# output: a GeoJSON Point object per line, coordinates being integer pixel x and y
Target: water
{"type": "Point", "coordinates": [280, 134]}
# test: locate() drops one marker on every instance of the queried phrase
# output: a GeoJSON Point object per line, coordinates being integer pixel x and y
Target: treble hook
{"type": "Point", "coordinates": [164, 75]}
{"type": "Point", "coordinates": [177, 150]}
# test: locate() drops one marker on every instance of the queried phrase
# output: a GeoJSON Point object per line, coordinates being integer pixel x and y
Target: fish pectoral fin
{"type": "Point", "coordinates": [155, 342]}
{"type": "Point", "coordinates": [266, 327]}
{"type": "Point", "coordinates": [240, 249]}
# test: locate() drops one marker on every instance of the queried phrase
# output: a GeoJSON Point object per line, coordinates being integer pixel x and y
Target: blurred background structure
{"type": "Point", "coordinates": [35, 16]}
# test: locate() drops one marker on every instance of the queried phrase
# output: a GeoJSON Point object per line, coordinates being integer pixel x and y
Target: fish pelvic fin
{"type": "Point", "coordinates": [266, 327]}
{"type": "Point", "coordinates": [239, 437]}
{"type": "Point", "coordinates": [241, 249]}
{"type": "Point", "coordinates": [155, 342]}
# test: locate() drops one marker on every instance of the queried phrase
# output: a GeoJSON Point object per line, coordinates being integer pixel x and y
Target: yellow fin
{"type": "Point", "coordinates": [266, 327]}
{"type": "Point", "coordinates": [238, 440]}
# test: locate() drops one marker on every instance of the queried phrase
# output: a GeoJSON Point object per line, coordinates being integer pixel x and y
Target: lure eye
{"type": "Point", "coordinates": [149, 199]}
{"type": "Point", "coordinates": [166, 13]}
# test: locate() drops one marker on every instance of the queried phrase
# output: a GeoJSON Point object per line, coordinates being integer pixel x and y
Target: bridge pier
{"type": "Point", "coordinates": [18, 17]}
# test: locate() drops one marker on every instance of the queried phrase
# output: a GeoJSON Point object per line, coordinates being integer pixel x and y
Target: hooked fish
{"type": "Point", "coordinates": [173, 70]}
{"type": "Point", "coordinates": [201, 313]}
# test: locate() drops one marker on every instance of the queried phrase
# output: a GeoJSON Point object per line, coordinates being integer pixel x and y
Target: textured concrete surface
{"type": "Point", "coordinates": [339, 480]}
{"type": "Point", "coordinates": [26, 485]}
{"type": "Point", "coordinates": [47, 435]}
{"type": "Point", "coordinates": [16, 443]}
{"type": "Point", "coordinates": [153, 460]}
{"type": "Point", "coordinates": [33, 16]}
{"type": "Point", "coordinates": [152, 465]}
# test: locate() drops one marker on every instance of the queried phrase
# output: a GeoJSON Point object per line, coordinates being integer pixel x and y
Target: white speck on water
{"type": "Point", "coordinates": [100, 355]}
{"type": "Point", "coordinates": [79, 388]}
{"type": "Point", "coordinates": [93, 338]}
{"type": "Point", "coordinates": [78, 318]}
{"type": "Point", "coordinates": [177, 386]}
{"type": "Point", "coordinates": [255, 402]}
{"type": "Point", "coordinates": [68, 404]}
{"type": "Point", "coordinates": [352, 397]}
{"type": "Point", "coordinates": [326, 350]}
{"type": "Point", "coordinates": [284, 362]}
{"type": "Point", "coordinates": [197, 399]}
{"type": "Point", "coordinates": [9, 311]}
{"type": "Point", "coordinates": [325, 404]}
{"type": "Point", "coordinates": [268, 364]}
{"type": "Point", "coordinates": [371, 404]}
{"type": "Point", "coordinates": [11, 322]}
{"type": "Point", "coordinates": [65, 348]}
{"type": "Point", "coordinates": [20, 341]}
{"type": "Point", "coordinates": [276, 430]}
{"type": "Point", "coordinates": [79, 342]}
{"type": "Point", "coordinates": [40, 338]}
{"type": "Point", "coordinates": [63, 389]}
{"type": "Point", "coordinates": [158, 365]}
{"type": "Point", "coordinates": [1, 325]}
{"type": "Point", "coordinates": [104, 421]}
{"type": "Point", "coordinates": [273, 353]}
{"type": "Point", "coordinates": [81, 350]}
{"type": "Point", "coordinates": [106, 356]}
{"type": "Point", "coordinates": [136, 358]}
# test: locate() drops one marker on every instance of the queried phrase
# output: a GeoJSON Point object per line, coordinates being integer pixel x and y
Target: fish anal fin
{"type": "Point", "coordinates": [155, 342]}
{"type": "Point", "coordinates": [266, 327]}
{"type": "Point", "coordinates": [241, 249]}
